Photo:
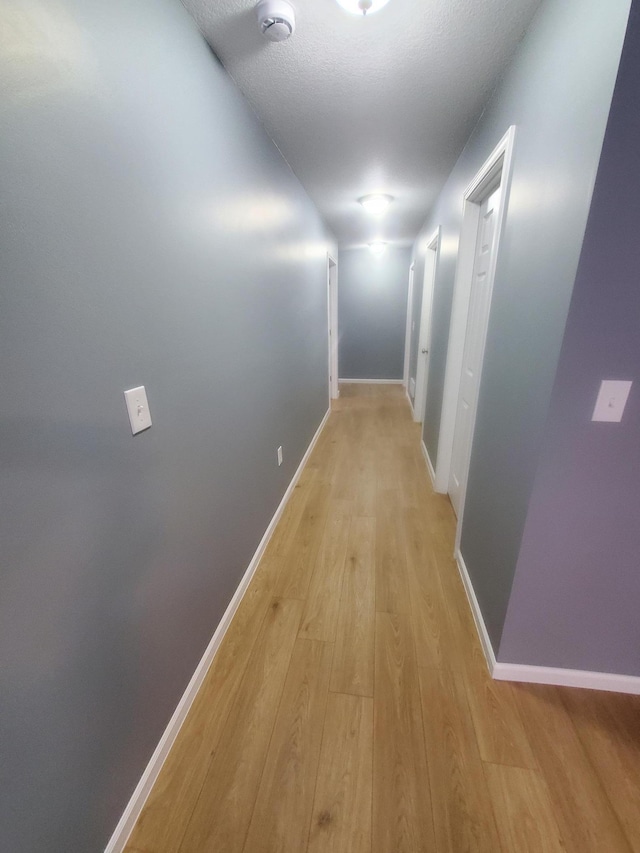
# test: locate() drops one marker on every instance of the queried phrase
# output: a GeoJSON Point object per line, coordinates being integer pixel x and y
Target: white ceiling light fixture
{"type": "Point", "coordinates": [378, 248]}
{"type": "Point", "coordinates": [277, 19]}
{"type": "Point", "coordinates": [362, 7]}
{"type": "Point", "coordinates": [376, 203]}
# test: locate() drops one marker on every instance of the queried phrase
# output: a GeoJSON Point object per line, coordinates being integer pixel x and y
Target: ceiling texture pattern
{"type": "Point", "coordinates": [382, 103]}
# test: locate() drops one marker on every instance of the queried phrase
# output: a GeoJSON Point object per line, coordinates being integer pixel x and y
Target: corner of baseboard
{"type": "Point", "coordinates": [559, 677]}
{"type": "Point", "coordinates": [529, 674]}
{"type": "Point", "coordinates": [432, 473]}
{"type": "Point", "coordinates": [481, 628]}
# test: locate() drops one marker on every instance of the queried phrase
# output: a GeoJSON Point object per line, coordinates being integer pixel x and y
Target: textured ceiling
{"type": "Point", "coordinates": [377, 104]}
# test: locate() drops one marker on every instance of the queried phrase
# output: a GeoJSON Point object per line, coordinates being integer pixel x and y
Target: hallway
{"type": "Point", "coordinates": [350, 708]}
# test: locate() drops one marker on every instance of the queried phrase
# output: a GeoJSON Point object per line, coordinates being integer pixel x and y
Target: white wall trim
{"type": "Point", "coordinates": [500, 163]}
{"type": "Point", "coordinates": [371, 381]}
{"type": "Point", "coordinates": [477, 613]}
{"type": "Point", "coordinates": [332, 317]}
{"type": "Point", "coordinates": [407, 332]}
{"type": "Point", "coordinates": [501, 158]}
{"type": "Point", "coordinates": [138, 799]}
{"type": "Point", "coordinates": [431, 257]}
{"type": "Point", "coordinates": [406, 393]}
{"type": "Point", "coordinates": [425, 453]}
{"type": "Point", "coordinates": [567, 677]}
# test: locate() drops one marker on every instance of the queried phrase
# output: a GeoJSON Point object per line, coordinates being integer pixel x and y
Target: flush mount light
{"type": "Point", "coordinates": [376, 203]}
{"type": "Point", "coordinates": [362, 7]}
{"type": "Point", "coordinates": [377, 248]}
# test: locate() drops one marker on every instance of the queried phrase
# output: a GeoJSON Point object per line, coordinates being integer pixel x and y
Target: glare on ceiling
{"type": "Point", "coordinates": [362, 7]}
{"type": "Point", "coordinates": [376, 203]}
{"type": "Point", "coordinates": [377, 248]}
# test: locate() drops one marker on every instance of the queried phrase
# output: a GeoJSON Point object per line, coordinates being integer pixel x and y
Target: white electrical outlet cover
{"type": "Point", "coordinates": [138, 409]}
{"type": "Point", "coordinates": [612, 398]}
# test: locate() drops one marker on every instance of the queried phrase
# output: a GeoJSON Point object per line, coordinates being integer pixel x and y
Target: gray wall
{"type": "Point", "coordinates": [577, 587]}
{"type": "Point", "coordinates": [372, 313]}
{"type": "Point", "coordinates": [150, 233]}
{"type": "Point", "coordinates": [557, 91]}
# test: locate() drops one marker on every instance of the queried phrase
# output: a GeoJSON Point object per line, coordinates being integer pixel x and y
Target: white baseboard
{"type": "Point", "coordinates": [371, 381]}
{"type": "Point", "coordinates": [567, 677]}
{"type": "Point", "coordinates": [432, 473]}
{"type": "Point", "coordinates": [410, 401]}
{"type": "Point", "coordinates": [526, 673]}
{"type": "Point", "coordinates": [481, 628]}
{"type": "Point", "coordinates": [138, 799]}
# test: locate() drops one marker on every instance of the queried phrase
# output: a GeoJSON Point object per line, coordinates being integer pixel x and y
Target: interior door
{"type": "Point", "coordinates": [477, 320]}
{"type": "Point", "coordinates": [424, 341]}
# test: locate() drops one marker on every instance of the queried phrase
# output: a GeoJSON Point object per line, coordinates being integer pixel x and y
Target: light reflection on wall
{"type": "Point", "coordinates": [252, 214]}
{"type": "Point", "coordinates": [302, 251]}
{"type": "Point", "coordinates": [42, 50]}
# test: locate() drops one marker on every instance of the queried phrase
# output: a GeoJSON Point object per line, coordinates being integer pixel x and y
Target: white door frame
{"type": "Point", "coordinates": [407, 333]}
{"type": "Point", "coordinates": [500, 162]}
{"type": "Point", "coordinates": [332, 318]}
{"type": "Point", "coordinates": [424, 335]}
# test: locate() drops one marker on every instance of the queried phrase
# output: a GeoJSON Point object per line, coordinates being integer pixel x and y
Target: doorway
{"type": "Point", "coordinates": [478, 315]}
{"type": "Point", "coordinates": [407, 333]}
{"type": "Point", "coordinates": [424, 337]}
{"type": "Point", "coordinates": [332, 311]}
{"type": "Point", "coordinates": [484, 214]}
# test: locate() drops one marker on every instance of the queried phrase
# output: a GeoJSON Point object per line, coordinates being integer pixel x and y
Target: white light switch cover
{"type": "Point", "coordinates": [138, 409]}
{"type": "Point", "coordinates": [612, 398]}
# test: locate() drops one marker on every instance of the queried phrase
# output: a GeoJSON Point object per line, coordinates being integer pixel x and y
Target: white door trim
{"type": "Point", "coordinates": [500, 162]}
{"type": "Point", "coordinates": [428, 287]}
{"type": "Point", "coordinates": [407, 333]}
{"type": "Point", "coordinates": [332, 317]}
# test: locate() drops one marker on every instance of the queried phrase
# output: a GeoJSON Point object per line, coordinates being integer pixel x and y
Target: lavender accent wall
{"type": "Point", "coordinates": [576, 595]}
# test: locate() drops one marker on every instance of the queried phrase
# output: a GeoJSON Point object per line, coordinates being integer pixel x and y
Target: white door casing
{"type": "Point", "coordinates": [424, 339]}
{"type": "Point", "coordinates": [332, 311]}
{"type": "Point", "coordinates": [477, 318]}
{"type": "Point", "coordinates": [407, 333]}
{"type": "Point", "coordinates": [497, 169]}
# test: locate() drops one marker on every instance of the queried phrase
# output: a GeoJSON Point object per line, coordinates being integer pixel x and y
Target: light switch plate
{"type": "Point", "coordinates": [612, 398]}
{"type": "Point", "coordinates": [138, 409]}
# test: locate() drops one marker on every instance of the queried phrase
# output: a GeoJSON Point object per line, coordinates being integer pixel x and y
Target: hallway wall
{"type": "Point", "coordinates": [576, 592]}
{"type": "Point", "coordinates": [557, 92]}
{"type": "Point", "coordinates": [372, 313]}
{"type": "Point", "coordinates": [150, 234]}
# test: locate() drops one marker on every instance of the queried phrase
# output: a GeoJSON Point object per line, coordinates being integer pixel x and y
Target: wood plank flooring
{"type": "Point", "coordinates": [349, 709]}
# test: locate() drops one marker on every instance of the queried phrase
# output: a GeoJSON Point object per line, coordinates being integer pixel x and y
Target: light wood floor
{"type": "Point", "coordinates": [349, 707]}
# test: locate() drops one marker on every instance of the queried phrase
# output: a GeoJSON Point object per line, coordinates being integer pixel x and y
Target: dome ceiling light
{"type": "Point", "coordinates": [362, 7]}
{"type": "Point", "coordinates": [376, 203]}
